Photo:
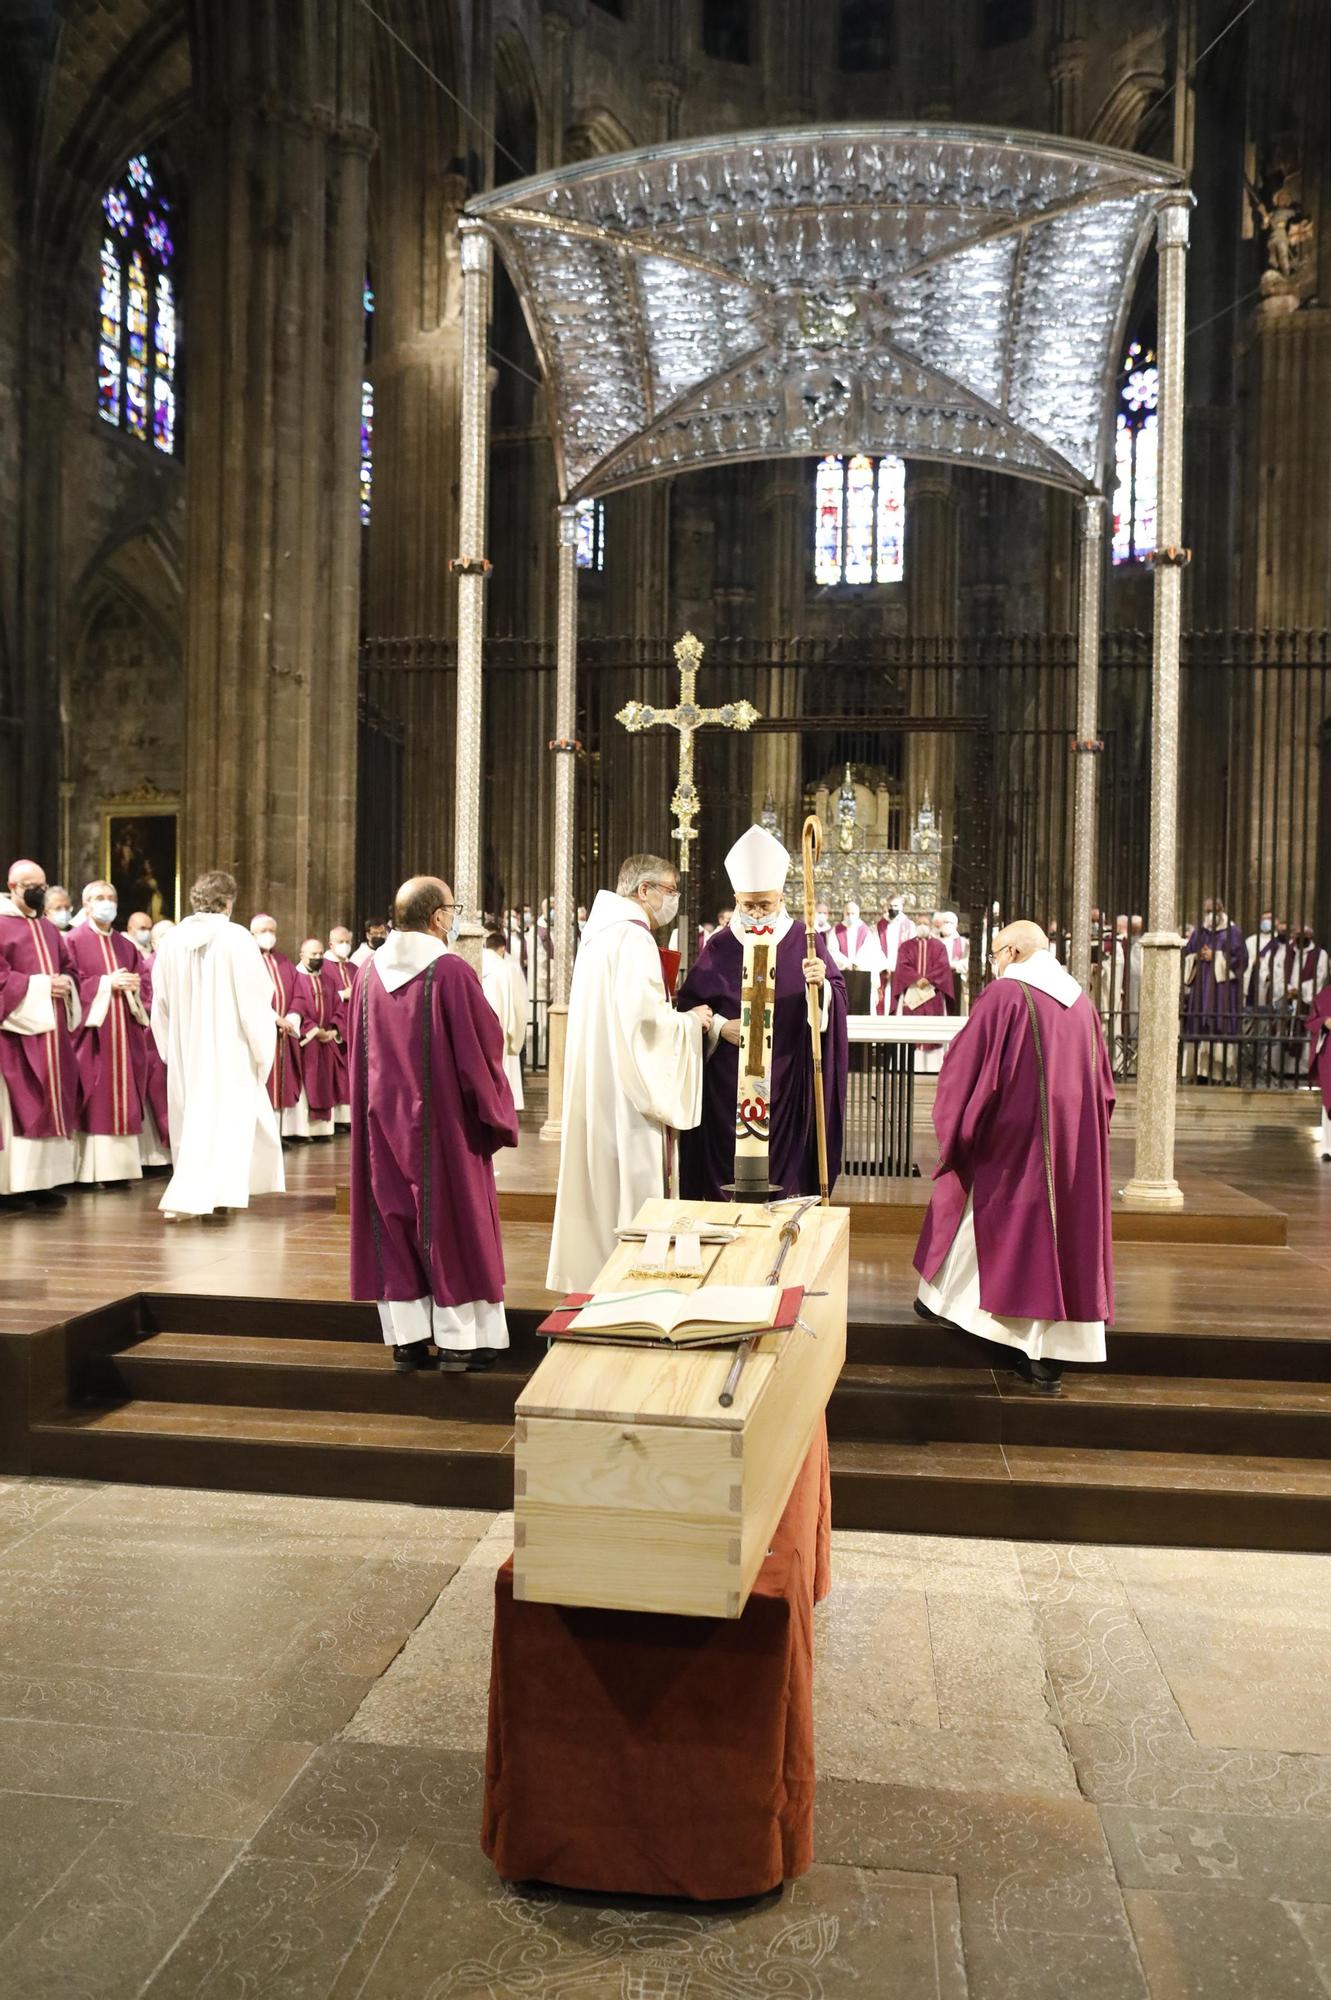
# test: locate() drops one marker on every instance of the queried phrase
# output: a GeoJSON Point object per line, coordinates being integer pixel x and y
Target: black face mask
{"type": "Point", "coordinates": [315, 963]}
{"type": "Point", "coordinates": [35, 897]}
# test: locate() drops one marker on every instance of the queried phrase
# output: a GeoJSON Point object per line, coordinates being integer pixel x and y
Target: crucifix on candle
{"type": "Point", "coordinates": [687, 717]}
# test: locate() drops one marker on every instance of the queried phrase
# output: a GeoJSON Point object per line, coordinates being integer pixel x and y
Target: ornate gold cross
{"type": "Point", "coordinates": [686, 717]}
{"type": "Point", "coordinates": [755, 998]}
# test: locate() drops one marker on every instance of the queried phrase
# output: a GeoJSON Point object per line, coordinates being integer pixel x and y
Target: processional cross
{"type": "Point", "coordinates": [687, 717]}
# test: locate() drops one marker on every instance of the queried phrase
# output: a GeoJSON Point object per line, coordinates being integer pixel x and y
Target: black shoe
{"type": "Point", "coordinates": [50, 1198]}
{"type": "Point", "coordinates": [1046, 1376]}
{"type": "Point", "coordinates": [411, 1358]}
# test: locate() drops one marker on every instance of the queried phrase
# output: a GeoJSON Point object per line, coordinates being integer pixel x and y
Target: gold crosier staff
{"type": "Point", "coordinates": [812, 843]}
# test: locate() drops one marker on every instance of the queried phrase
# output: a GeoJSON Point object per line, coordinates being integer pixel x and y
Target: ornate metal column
{"type": "Point", "coordinates": [565, 749]}
{"type": "Point", "coordinates": [1087, 747]}
{"type": "Point", "coordinates": [566, 713]}
{"type": "Point", "coordinates": [1153, 1184]}
{"type": "Point", "coordinates": [472, 568]}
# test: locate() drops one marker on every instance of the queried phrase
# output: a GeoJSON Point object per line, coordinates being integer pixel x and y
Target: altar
{"type": "Point", "coordinates": [880, 1098]}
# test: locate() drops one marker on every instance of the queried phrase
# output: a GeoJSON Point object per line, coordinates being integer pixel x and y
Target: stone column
{"type": "Point", "coordinates": [1087, 748]}
{"type": "Point", "coordinates": [278, 225]}
{"type": "Point", "coordinates": [566, 715]}
{"type": "Point", "coordinates": [1153, 1184]}
{"type": "Point", "coordinates": [472, 570]}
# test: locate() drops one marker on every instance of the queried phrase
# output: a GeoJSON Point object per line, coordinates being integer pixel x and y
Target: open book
{"type": "Point", "coordinates": [709, 1316]}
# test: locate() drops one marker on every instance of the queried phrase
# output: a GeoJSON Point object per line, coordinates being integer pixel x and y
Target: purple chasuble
{"type": "Point", "coordinates": [1319, 1045]}
{"type": "Point", "coordinates": [284, 1078]}
{"type": "Point", "coordinates": [1211, 1006]}
{"type": "Point", "coordinates": [113, 1058]}
{"type": "Point", "coordinates": [40, 1071]}
{"type": "Point", "coordinates": [923, 958]}
{"type": "Point", "coordinates": [707, 1154]}
{"type": "Point", "coordinates": [317, 1059]}
{"type": "Point", "coordinates": [430, 1105]}
{"type": "Point", "coordinates": [1022, 1114]}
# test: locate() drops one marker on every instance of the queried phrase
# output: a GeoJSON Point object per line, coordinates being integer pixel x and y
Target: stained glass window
{"type": "Point", "coordinates": [138, 333]}
{"type": "Point", "coordinates": [859, 520]}
{"type": "Point", "coordinates": [1136, 455]}
{"type": "Point", "coordinates": [591, 534]}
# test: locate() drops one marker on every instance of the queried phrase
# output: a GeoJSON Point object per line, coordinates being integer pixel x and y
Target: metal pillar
{"type": "Point", "coordinates": [1088, 744]}
{"type": "Point", "coordinates": [472, 569]}
{"type": "Point", "coordinates": [1153, 1184]}
{"type": "Point", "coordinates": [566, 698]}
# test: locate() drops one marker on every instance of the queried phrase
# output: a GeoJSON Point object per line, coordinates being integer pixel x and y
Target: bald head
{"type": "Point", "coordinates": [1020, 941]}
{"type": "Point", "coordinates": [425, 903]}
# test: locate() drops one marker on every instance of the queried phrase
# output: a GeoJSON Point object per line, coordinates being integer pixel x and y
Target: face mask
{"type": "Point", "coordinates": [102, 910]}
{"type": "Point", "coordinates": [1265, 926]}
{"type": "Point", "coordinates": [35, 898]}
{"type": "Point", "coordinates": [62, 919]}
{"type": "Point", "coordinates": [315, 962]}
{"type": "Point", "coordinates": [341, 951]}
{"type": "Point", "coordinates": [265, 940]}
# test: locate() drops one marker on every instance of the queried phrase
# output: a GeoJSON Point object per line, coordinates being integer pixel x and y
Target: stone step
{"type": "Point", "coordinates": [1096, 1410]}
{"type": "Point", "coordinates": [1041, 1493]}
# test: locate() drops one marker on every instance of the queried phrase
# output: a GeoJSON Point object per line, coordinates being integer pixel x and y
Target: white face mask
{"type": "Point", "coordinates": [62, 919]}
{"type": "Point", "coordinates": [265, 939]}
{"type": "Point", "coordinates": [342, 951]}
{"type": "Point", "coordinates": [102, 910]}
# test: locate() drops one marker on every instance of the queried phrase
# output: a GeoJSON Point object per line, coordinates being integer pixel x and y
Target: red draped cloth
{"type": "Point", "coordinates": [649, 1755]}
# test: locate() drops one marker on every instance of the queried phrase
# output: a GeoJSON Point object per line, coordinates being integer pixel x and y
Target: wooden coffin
{"type": "Point", "coordinates": [634, 1489]}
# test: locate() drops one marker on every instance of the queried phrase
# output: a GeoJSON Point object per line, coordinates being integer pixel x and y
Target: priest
{"type": "Point", "coordinates": [1214, 960]}
{"type": "Point", "coordinates": [430, 1107]}
{"type": "Point", "coordinates": [112, 1047]}
{"type": "Point", "coordinates": [39, 1012]}
{"type": "Point", "coordinates": [319, 1035]}
{"type": "Point", "coordinates": [722, 978]}
{"type": "Point", "coordinates": [507, 1004]}
{"type": "Point", "coordinates": [212, 1019]}
{"type": "Point", "coordinates": [633, 1071]}
{"type": "Point", "coordinates": [285, 1086]}
{"type": "Point", "coordinates": [1016, 1247]}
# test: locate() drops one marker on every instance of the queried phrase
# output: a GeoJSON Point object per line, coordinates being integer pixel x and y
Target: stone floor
{"type": "Point", "coordinates": [241, 1737]}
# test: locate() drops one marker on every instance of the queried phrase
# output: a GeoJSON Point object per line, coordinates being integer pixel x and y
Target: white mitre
{"type": "Point", "coordinates": [757, 863]}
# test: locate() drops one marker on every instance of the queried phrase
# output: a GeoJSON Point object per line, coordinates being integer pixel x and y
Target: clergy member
{"type": "Point", "coordinates": [286, 1091]}
{"type": "Point", "coordinates": [757, 866]}
{"type": "Point", "coordinates": [501, 991]}
{"type": "Point", "coordinates": [212, 1019]}
{"type": "Point", "coordinates": [430, 1107]}
{"type": "Point", "coordinates": [1016, 1245]}
{"type": "Point", "coordinates": [319, 1036]}
{"type": "Point", "coordinates": [1214, 959]}
{"type": "Point", "coordinates": [39, 1012]}
{"type": "Point", "coordinates": [111, 1046]}
{"type": "Point", "coordinates": [632, 1072]}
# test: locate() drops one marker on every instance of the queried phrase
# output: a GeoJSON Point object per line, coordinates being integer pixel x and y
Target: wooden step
{"type": "Point", "coordinates": [1031, 1493]}
{"type": "Point", "coordinates": [1097, 1410]}
{"type": "Point", "coordinates": [259, 1371]}
{"type": "Point", "coordinates": [437, 1461]}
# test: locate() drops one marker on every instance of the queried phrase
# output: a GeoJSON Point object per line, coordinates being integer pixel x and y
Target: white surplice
{"type": "Point", "coordinates": [632, 1073]}
{"type": "Point", "coordinates": [501, 989]}
{"type": "Point", "coordinates": [212, 1020]}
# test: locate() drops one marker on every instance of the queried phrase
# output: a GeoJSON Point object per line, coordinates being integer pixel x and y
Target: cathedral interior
{"type": "Point", "coordinates": [230, 352]}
